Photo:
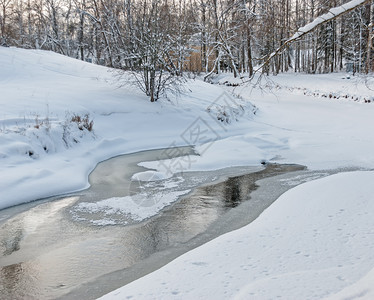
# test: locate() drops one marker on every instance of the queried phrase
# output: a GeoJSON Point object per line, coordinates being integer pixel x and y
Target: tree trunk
{"type": "Point", "coordinates": [370, 46]}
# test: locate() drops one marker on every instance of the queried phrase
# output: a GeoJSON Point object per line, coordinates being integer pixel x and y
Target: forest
{"type": "Point", "coordinates": [159, 37]}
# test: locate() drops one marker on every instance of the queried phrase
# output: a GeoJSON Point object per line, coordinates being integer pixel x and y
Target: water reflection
{"type": "Point", "coordinates": [46, 253]}
{"type": "Point", "coordinates": [233, 193]}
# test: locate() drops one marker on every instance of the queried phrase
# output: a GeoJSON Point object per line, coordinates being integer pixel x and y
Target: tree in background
{"type": "Point", "coordinates": [158, 41]}
{"type": "Point", "coordinates": [5, 8]}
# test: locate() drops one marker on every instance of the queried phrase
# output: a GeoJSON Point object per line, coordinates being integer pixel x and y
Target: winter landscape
{"type": "Point", "coordinates": [90, 150]}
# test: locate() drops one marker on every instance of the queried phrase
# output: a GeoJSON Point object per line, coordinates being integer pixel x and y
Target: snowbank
{"type": "Point", "coordinates": [314, 241]}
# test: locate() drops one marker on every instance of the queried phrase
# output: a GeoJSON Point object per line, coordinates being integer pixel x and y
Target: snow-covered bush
{"type": "Point", "coordinates": [229, 108]}
{"type": "Point", "coordinates": [83, 122]}
{"type": "Point", "coordinates": [35, 137]}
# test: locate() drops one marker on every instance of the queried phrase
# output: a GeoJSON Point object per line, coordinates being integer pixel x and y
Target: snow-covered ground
{"type": "Point", "coordinates": [46, 150]}
{"type": "Point", "coordinates": [43, 153]}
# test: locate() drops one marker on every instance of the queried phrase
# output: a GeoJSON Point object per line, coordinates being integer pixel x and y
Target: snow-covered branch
{"type": "Point", "coordinates": [332, 14]}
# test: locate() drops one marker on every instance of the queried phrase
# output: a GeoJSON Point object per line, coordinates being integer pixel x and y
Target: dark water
{"type": "Point", "coordinates": [47, 253]}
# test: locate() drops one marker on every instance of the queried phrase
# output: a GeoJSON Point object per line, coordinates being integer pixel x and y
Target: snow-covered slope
{"type": "Point", "coordinates": [43, 153]}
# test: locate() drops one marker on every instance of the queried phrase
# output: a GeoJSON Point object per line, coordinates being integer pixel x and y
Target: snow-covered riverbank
{"type": "Point", "coordinates": [45, 149]}
{"type": "Point", "coordinates": [44, 153]}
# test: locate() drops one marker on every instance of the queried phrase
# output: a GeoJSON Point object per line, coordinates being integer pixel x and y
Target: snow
{"type": "Point", "coordinates": [288, 119]}
{"type": "Point", "coordinates": [45, 88]}
{"type": "Point", "coordinates": [136, 207]}
{"type": "Point", "coordinates": [148, 176]}
{"type": "Point", "coordinates": [314, 241]}
{"type": "Point", "coordinates": [293, 126]}
{"type": "Point", "coordinates": [361, 289]}
{"type": "Point", "coordinates": [51, 88]}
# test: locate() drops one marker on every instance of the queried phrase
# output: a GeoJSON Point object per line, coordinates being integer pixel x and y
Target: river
{"type": "Point", "coordinates": [51, 249]}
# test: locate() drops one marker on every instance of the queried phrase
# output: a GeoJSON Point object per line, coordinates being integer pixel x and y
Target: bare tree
{"type": "Point", "coordinates": [370, 42]}
{"type": "Point", "coordinates": [4, 7]}
{"type": "Point", "coordinates": [158, 41]}
{"type": "Point", "coordinates": [331, 15]}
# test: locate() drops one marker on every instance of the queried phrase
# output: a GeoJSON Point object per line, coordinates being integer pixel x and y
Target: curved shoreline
{"type": "Point", "coordinates": [155, 241]}
{"type": "Point", "coordinates": [263, 195]}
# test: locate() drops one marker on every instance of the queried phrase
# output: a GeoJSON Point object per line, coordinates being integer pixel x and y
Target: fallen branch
{"type": "Point", "coordinates": [332, 14]}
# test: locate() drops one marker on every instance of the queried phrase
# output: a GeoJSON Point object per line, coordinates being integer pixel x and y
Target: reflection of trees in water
{"type": "Point", "coordinates": [156, 237]}
{"type": "Point", "coordinates": [237, 189]}
{"type": "Point", "coordinates": [145, 240]}
{"type": "Point", "coordinates": [232, 192]}
{"type": "Point", "coordinates": [229, 193]}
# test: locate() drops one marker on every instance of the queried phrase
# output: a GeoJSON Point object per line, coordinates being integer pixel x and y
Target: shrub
{"type": "Point", "coordinates": [83, 122]}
